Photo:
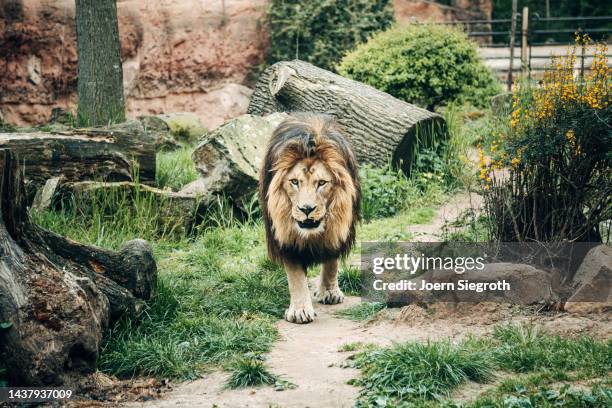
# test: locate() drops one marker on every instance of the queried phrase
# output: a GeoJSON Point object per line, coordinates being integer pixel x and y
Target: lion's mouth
{"type": "Point", "coordinates": [309, 223]}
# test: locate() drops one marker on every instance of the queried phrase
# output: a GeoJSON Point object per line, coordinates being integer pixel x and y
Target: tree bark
{"type": "Point", "coordinates": [380, 127]}
{"type": "Point", "coordinates": [100, 76]}
{"type": "Point", "coordinates": [58, 296]}
{"type": "Point", "coordinates": [85, 154]}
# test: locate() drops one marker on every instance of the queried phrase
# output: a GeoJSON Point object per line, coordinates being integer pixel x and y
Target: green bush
{"type": "Point", "coordinates": [384, 192]}
{"type": "Point", "coordinates": [321, 32]}
{"type": "Point", "coordinates": [428, 65]}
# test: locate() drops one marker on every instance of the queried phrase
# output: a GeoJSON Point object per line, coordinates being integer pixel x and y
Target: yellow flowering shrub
{"type": "Point", "coordinates": [556, 181]}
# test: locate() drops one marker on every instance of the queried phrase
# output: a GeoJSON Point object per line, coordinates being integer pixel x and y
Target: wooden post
{"type": "Point", "coordinates": [524, 45]}
{"type": "Point", "coordinates": [512, 35]}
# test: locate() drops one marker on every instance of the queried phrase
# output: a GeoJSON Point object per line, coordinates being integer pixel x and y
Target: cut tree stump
{"type": "Point", "coordinates": [379, 126]}
{"type": "Point", "coordinates": [86, 153]}
{"type": "Point", "coordinates": [57, 296]}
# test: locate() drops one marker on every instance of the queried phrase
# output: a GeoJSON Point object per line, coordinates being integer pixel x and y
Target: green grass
{"type": "Point", "coordinates": [362, 311]}
{"type": "Point", "coordinates": [349, 279]}
{"type": "Point", "coordinates": [175, 169]}
{"type": "Point", "coordinates": [217, 299]}
{"type": "Point", "coordinates": [108, 218]}
{"type": "Point", "coordinates": [545, 397]}
{"type": "Point", "coordinates": [249, 372]}
{"type": "Point", "coordinates": [529, 349]}
{"type": "Point", "coordinates": [417, 374]}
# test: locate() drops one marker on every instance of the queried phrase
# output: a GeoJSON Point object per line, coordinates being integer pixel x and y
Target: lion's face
{"type": "Point", "coordinates": [309, 186]}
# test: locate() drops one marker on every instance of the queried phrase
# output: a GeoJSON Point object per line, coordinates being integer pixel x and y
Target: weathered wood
{"type": "Point", "coordinates": [86, 153]}
{"type": "Point", "coordinates": [379, 126]}
{"type": "Point", "coordinates": [54, 291]}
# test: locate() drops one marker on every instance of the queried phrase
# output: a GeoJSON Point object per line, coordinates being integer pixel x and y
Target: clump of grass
{"type": "Point", "coordinates": [250, 371]}
{"type": "Point", "coordinates": [528, 349]}
{"type": "Point", "coordinates": [349, 279]}
{"type": "Point", "coordinates": [175, 169]}
{"type": "Point", "coordinates": [384, 192]}
{"type": "Point", "coordinates": [416, 372]}
{"type": "Point", "coordinates": [354, 346]}
{"type": "Point", "coordinates": [363, 311]}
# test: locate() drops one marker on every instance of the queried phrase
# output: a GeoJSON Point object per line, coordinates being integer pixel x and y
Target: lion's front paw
{"type": "Point", "coordinates": [329, 296]}
{"type": "Point", "coordinates": [300, 315]}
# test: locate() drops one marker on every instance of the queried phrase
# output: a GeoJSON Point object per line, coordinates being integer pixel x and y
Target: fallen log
{"type": "Point", "coordinates": [85, 154]}
{"type": "Point", "coordinates": [58, 296]}
{"type": "Point", "coordinates": [379, 126]}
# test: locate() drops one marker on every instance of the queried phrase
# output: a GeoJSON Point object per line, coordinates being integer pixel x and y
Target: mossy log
{"type": "Point", "coordinates": [58, 296]}
{"type": "Point", "coordinates": [106, 153]}
{"type": "Point", "coordinates": [379, 126]}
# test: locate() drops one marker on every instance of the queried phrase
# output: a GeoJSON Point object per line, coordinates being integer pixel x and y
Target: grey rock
{"type": "Point", "coordinates": [229, 159]}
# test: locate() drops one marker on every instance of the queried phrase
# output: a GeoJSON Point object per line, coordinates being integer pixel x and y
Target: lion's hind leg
{"type": "Point", "coordinates": [329, 292]}
{"type": "Point", "coordinates": [300, 309]}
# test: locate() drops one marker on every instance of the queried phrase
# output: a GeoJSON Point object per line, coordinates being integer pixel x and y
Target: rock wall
{"type": "Point", "coordinates": [178, 55]}
{"type": "Point", "coordinates": [427, 10]}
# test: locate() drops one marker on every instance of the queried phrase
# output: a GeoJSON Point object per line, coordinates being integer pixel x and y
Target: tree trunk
{"type": "Point", "coordinates": [100, 76]}
{"type": "Point", "coordinates": [379, 126]}
{"type": "Point", "coordinates": [56, 295]}
{"type": "Point", "coordinates": [85, 154]}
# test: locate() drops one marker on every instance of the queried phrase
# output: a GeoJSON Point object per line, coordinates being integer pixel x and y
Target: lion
{"type": "Point", "coordinates": [309, 194]}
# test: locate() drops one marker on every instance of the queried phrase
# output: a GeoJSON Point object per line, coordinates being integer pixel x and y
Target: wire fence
{"type": "Point", "coordinates": [534, 38]}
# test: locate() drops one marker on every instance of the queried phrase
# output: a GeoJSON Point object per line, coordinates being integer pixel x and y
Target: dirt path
{"type": "Point", "coordinates": [456, 206]}
{"type": "Point", "coordinates": [309, 356]}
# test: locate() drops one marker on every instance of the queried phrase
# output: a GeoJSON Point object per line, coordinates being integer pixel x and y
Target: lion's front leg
{"type": "Point", "coordinates": [300, 309]}
{"type": "Point", "coordinates": [329, 292]}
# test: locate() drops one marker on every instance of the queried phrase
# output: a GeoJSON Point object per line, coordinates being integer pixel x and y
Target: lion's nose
{"type": "Point", "coordinates": [307, 209]}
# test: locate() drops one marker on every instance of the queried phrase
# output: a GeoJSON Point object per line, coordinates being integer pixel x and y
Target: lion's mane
{"type": "Point", "coordinates": [309, 136]}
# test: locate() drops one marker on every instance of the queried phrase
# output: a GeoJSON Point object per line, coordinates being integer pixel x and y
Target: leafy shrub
{"type": "Point", "coordinates": [320, 32]}
{"type": "Point", "coordinates": [557, 151]}
{"type": "Point", "coordinates": [428, 65]}
{"type": "Point", "coordinates": [385, 192]}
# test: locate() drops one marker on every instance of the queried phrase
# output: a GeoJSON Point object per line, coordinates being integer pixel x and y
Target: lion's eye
{"type": "Point", "coordinates": [322, 183]}
{"type": "Point", "coordinates": [295, 182]}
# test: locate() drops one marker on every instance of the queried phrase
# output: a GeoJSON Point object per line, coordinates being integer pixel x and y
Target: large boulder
{"type": "Point", "coordinates": [229, 159]}
{"type": "Point", "coordinates": [528, 286]}
{"type": "Point", "coordinates": [592, 283]}
{"type": "Point", "coordinates": [184, 126]}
